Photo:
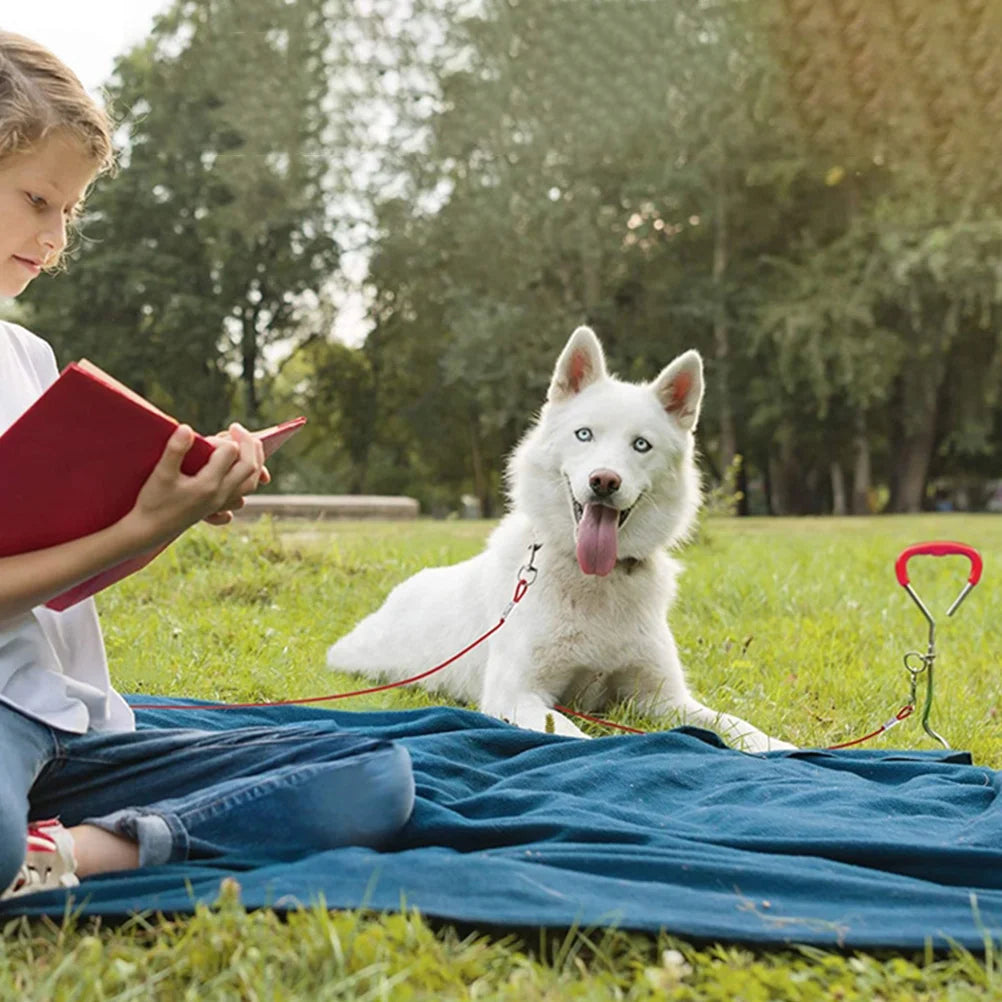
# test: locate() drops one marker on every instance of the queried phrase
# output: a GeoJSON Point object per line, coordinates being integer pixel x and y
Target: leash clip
{"type": "Point", "coordinates": [528, 572]}
{"type": "Point", "coordinates": [527, 575]}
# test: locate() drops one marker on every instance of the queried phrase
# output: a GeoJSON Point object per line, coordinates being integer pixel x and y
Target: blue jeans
{"type": "Point", "coordinates": [264, 793]}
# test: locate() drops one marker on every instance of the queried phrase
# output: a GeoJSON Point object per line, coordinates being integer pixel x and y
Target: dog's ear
{"type": "Point", "coordinates": [581, 363]}
{"type": "Point", "coordinates": [680, 389]}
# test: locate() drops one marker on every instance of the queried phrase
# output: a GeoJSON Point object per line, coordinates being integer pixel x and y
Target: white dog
{"type": "Point", "coordinates": [602, 483]}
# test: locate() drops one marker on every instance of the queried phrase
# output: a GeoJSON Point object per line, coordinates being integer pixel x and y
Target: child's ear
{"type": "Point", "coordinates": [680, 389]}
{"type": "Point", "coordinates": [581, 363]}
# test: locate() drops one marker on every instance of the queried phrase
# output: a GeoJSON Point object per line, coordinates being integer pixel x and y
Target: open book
{"type": "Point", "coordinates": [75, 461]}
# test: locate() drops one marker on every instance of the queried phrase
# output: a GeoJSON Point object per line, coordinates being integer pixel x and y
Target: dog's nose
{"type": "Point", "coordinates": [604, 483]}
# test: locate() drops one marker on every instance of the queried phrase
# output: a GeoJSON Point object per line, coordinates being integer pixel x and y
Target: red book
{"type": "Point", "coordinates": [75, 461]}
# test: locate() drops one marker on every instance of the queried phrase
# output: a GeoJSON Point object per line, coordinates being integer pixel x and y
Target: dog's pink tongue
{"type": "Point", "coordinates": [597, 539]}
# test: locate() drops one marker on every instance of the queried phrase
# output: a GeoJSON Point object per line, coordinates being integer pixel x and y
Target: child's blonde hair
{"type": "Point", "coordinates": [39, 95]}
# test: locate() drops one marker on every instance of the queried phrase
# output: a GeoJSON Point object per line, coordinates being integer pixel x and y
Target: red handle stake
{"type": "Point", "coordinates": [939, 549]}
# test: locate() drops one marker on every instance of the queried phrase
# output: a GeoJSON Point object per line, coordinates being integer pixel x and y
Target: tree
{"type": "Point", "coordinates": [899, 101]}
{"type": "Point", "coordinates": [215, 236]}
{"type": "Point", "coordinates": [563, 175]}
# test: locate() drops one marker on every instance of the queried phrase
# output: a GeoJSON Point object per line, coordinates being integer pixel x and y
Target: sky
{"type": "Point", "coordinates": [86, 34]}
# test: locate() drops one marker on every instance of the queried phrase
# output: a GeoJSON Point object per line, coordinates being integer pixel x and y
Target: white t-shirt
{"type": "Point", "coordinates": [52, 664]}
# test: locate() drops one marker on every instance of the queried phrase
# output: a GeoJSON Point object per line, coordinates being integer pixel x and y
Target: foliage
{"type": "Point", "coordinates": [207, 246]}
{"type": "Point", "coordinates": [724, 498]}
{"type": "Point", "coordinates": [806, 193]}
{"type": "Point", "coordinates": [774, 185]}
{"type": "Point", "coordinates": [226, 953]}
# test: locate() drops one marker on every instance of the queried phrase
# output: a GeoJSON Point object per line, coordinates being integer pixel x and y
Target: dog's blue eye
{"type": "Point", "coordinates": [642, 445]}
{"type": "Point", "coordinates": [583, 434]}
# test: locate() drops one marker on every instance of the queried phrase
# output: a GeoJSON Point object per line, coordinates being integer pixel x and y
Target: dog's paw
{"type": "Point", "coordinates": [531, 713]}
{"type": "Point", "coordinates": [557, 723]}
{"type": "Point", "coordinates": [546, 721]}
{"type": "Point", "coordinates": [776, 745]}
{"type": "Point", "coordinates": [549, 722]}
{"type": "Point", "coordinates": [764, 743]}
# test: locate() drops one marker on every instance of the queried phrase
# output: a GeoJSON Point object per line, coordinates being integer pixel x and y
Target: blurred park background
{"type": "Point", "coordinates": [390, 214]}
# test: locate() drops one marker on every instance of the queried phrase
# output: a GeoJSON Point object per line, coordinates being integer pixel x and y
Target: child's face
{"type": "Point", "coordinates": [38, 193]}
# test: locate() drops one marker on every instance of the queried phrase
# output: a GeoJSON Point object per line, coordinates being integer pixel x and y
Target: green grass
{"type": "Point", "coordinates": [798, 625]}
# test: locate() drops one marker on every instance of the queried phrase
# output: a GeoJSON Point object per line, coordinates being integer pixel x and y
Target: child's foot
{"type": "Point", "coordinates": [49, 863]}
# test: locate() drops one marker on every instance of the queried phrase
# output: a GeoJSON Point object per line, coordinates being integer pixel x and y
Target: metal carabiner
{"type": "Point", "coordinates": [936, 549]}
{"type": "Point", "coordinates": [530, 570]}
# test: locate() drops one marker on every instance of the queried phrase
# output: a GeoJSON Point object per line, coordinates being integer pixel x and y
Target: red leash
{"type": "Point", "coordinates": [337, 695]}
{"type": "Point", "coordinates": [521, 588]}
{"type": "Point", "coordinates": [527, 576]}
{"type": "Point", "coordinates": [903, 714]}
{"type": "Point", "coordinates": [598, 720]}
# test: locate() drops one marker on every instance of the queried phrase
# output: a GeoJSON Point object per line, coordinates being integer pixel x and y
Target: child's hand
{"type": "Point", "coordinates": [170, 500]}
{"type": "Point", "coordinates": [237, 433]}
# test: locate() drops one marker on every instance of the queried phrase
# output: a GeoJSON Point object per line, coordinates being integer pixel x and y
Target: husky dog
{"type": "Point", "coordinates": [603, 483]}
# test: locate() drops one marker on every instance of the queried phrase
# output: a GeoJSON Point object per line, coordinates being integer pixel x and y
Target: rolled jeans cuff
{"type": "Point", "coordinates": [152, 833]}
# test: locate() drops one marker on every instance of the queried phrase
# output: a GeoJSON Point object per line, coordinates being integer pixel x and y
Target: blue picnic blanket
{"type": "Point", "coordinates": [670, 830]}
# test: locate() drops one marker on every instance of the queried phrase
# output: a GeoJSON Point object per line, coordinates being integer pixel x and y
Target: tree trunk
{"type": "Point", "coordinates": [727, 444]}
{"type": "Point", "coordinates": [838, 489]}
{"type": "Point", "coordinates": [248, 374]}
{"type": "Point", "coordinates": [767, 484]}
{"type": "Point", "coordinates": [783, 473]}
{"type": "Point", "coordinates": [916, 435]}
{"type": "Point", "coordinates": [359, 474]}
{"type": "Point", "coordinates": [744, 507]}
{"type": "Point", "coordinates": [794, 485]}
{"type": "Point", "coordinates": [778, 502]}
{"type": "Point", "coordinates": [912, 467]}
{"type": "Point", "coordinates": [480, 486]}
{"type": "Point", "coordinates": [862, 480]}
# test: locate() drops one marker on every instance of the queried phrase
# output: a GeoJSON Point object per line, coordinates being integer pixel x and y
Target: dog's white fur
{"type": "Point", "coordinates": [583, 639]}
